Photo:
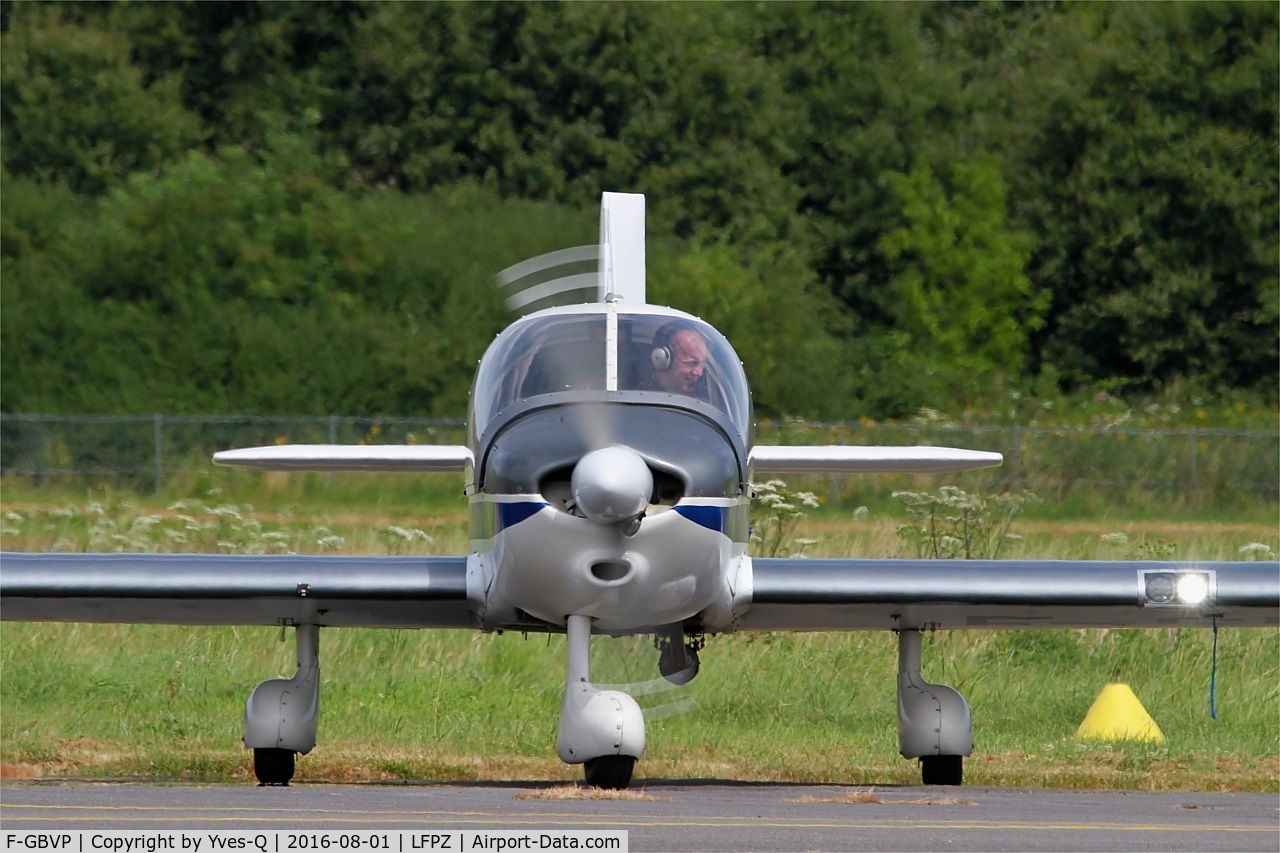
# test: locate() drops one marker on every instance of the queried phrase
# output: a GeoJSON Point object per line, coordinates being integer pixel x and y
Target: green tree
{"type": "Point", "coordinates": [326, 172]}
{"type": "Point", "coordinates": [73, 109]}
{"type": "Point", "coordinates": [238, 225]}
{"type": "Point", "coordinates": [1153, 189]}
{"type": "Point", "coordinates": [248, 68]}
{"type": "Point", "coordinates": [957, 267]}
{"type": "Point", "coordinates": [562, 101]}
{"type": "Point", "coordinates": [870, 100]}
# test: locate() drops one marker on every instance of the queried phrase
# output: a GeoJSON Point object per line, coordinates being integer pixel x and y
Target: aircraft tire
{"type": "Point", "coordinates": [610, 771]}
{"type": "Point", "coordinates": [941, 769]}
{"type": "Point", "coordinates": [273, 766]}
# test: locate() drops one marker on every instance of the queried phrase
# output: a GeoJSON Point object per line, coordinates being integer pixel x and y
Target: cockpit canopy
{"type": "Point", "coordinates": [602, 348]}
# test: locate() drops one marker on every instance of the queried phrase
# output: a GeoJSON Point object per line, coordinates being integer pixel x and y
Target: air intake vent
{"type": "Point", "coordinates": [610, 570]}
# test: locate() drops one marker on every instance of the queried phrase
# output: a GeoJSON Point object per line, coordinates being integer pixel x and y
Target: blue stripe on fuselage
{"type": "Point", "coordinates": [711, 517]}
{"type": "Point", "coordinates": [511, 514]}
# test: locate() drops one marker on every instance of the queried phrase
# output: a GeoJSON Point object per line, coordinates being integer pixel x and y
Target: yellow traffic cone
{"type": "Point", "coordinates": [1118, 715]}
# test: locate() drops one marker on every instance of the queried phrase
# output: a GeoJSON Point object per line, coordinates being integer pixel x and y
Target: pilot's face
{"type": "Point", "coordinates": [688, 358]}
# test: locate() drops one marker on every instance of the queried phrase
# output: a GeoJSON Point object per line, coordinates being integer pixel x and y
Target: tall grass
{"type": "Point", "coordinates": [105, 699]}
{"type": "Point", "coordinates": [113, 700]}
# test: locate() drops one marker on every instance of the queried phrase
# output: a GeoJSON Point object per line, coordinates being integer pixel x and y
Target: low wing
{"type": "Point", "coordinates": [226, 589]}
{"type": "Point", "coordinates": [779, 459]}
{"type": "Point", "coordinates": [850, 594]}
{"type": "Point", "coordinates": [350, 457]}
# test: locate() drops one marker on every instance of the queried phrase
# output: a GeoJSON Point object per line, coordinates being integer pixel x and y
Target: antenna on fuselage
{"type": "Point", "coordinates": [622, 269]}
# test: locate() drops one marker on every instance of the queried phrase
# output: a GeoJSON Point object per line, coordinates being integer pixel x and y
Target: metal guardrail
{"type": "Point", "coordinates": [1048, 460]}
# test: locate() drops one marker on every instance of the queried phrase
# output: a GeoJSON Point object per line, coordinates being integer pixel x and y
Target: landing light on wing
{"type": "Point", "coordinates": [1176, 589]}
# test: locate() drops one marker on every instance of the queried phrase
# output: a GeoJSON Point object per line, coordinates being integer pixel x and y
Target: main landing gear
{"type": "Point", "coordinates": [273, 766]}
{"type": "Point", "coordinates": [934, 723]}
{"type": "Point", "coordinates": [281, 715]}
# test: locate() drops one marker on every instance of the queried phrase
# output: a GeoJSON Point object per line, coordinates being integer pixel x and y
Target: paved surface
{"type": "Point", "coordinates": [680, 815]}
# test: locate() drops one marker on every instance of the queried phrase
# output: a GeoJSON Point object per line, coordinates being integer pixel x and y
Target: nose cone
{"type": "Point", "coordinates": [611, 485]}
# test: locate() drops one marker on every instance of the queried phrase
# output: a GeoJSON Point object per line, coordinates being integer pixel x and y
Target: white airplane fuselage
{"type": "Point", "coordinates": [553, 420]}
{"type": "Point", "coordinates": [553, 565]}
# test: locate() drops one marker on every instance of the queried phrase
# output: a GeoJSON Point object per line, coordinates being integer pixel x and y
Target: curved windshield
{"type": "Point", "coordinates": [679, 355]}
{"type": "Point", "coordinates": [541, 355]}
{"type": "Point", "coordinates": [663, 354]}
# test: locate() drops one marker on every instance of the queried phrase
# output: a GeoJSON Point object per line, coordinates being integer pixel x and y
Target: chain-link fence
{"type": "Point", "coordinates": [151, 448]}
{"type": "Point", "coordinates": [1207, 464]}
{"type": "Point", "coordinates": [1195, 464]}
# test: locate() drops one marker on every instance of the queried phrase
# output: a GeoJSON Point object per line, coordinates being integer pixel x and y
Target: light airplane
{"type": "Point", "coordinates": [608, 464]}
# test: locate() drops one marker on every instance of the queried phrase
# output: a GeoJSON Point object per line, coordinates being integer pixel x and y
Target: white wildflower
{"type": "Point", "coordinates": [1258, 551]}
{"type": "Point", "coordinates": [409, 534]}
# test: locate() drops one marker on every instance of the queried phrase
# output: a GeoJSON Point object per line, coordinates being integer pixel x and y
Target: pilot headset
{"type": "Point", "coordinates": [662, 356]}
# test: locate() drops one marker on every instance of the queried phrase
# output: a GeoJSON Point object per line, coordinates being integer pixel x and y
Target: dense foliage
{"type": "Point", "coordinates": [298, 208]}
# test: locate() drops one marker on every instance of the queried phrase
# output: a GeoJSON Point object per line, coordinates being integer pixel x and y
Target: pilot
{"type": "Point", "coordinates": [679, 357]}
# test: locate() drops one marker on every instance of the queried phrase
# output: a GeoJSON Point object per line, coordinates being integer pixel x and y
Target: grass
{"type": "Point", "coordinates": [114, 700]}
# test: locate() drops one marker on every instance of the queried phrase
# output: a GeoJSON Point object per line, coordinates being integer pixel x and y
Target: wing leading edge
{"type": "Point", "coordinates": [849, 594]}
{"type": "Point", "coordinates": [782, 459]}
{"type": "Point", "coordinates": [232, 589]}
{"type": "Point", "coordinates": [433, 458]}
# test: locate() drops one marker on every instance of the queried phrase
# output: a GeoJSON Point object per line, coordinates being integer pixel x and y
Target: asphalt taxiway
{"type": "Point", "coordinates": [678, 815]}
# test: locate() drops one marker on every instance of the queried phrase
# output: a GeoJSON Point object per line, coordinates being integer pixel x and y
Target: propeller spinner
{"type": "Point", "coordinates": [612, 485]}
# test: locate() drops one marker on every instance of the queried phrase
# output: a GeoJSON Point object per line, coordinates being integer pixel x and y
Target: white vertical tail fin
{"type": "Point", "coordinates": [612, 270]}
{"type": "Point", "coordinates": [622, 270]}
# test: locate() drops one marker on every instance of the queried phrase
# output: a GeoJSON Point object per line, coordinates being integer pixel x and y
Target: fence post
{"type": "Point", "coordinates": [333, 439]}
{"type": "Point", "coordinates": [159, 440]}
{"type": "Point", "coordinates": [1193, 459]}
{"type": "Point", "coordinates": [1013, 451]}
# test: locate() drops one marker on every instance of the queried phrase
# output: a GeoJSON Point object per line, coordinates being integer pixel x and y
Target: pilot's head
{"type": "Point", "coordinates": [679, 357]}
